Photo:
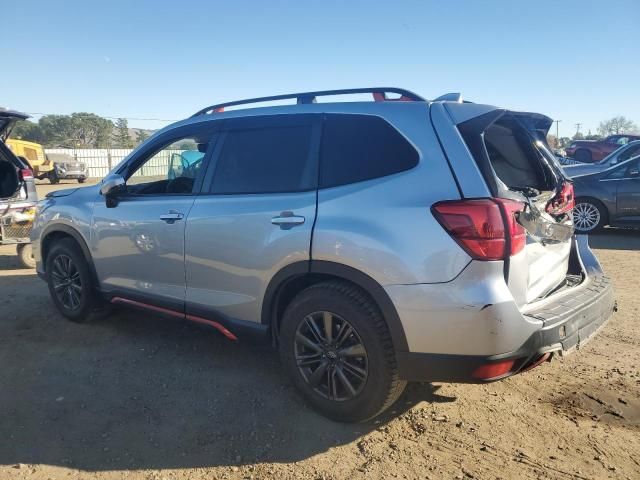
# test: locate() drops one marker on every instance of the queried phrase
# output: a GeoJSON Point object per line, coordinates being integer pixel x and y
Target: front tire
{"type": "Point", "coordinates": [53, 178]}
{"type": "Point", "coordinates": [70, 282]}
{"type": "Point", "coordinates": [25, 255]}
{"type": "Point", "coordinates": [82, 180]}
{"type": "Point", "coordinates": [336, 347]}
{"type": "Point", "coordinates": [589, 215]}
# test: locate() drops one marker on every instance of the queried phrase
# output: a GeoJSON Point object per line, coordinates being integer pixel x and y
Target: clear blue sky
{"type": "Point", "coordinates": [577, 61]}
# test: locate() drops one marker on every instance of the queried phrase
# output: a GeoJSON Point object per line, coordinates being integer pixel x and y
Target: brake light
{"type": "Point", "coordinates": [26, 174]}
{"type": "Point", "coordinates": [486, 228]}
{"type": "Point", "coordinates": [563, 202]}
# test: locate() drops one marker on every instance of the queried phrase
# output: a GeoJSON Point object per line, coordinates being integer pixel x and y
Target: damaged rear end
{"type": "Point", "coordinates": [515, 217]}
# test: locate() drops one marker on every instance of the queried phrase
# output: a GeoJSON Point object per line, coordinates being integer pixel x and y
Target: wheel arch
{"type": "Point", "coordinates": [294, 278]}
{"type": "Point", "coordinates": [58, 231]}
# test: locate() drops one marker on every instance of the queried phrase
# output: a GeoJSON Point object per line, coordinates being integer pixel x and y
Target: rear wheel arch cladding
{"type": "Point", "coordinates": [320, 270]}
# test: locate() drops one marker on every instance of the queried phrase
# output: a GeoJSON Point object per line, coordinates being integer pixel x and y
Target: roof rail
{"type": "Point", "coordinates": [379, 95]}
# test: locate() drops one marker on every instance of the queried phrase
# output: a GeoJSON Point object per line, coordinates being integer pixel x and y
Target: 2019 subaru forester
{"type": "Point", "coordinates": [374, 242]}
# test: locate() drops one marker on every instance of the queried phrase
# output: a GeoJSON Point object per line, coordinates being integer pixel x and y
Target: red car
{"type": "Point", "coordinates": [589, 151]}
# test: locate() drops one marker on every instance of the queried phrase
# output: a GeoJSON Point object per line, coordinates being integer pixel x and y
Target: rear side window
{"type": "Point", "coordinates": [265, 160]}
{"type": "Point", "coordinates": [361, 147]}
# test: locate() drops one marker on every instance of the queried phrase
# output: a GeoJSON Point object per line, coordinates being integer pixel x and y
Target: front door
{"type": "Point", "coordinates": [628, 192]}
{"type": "Point", "coordinates": [255, 215]}
{"type": "Point", "coordinates": [138, 245]}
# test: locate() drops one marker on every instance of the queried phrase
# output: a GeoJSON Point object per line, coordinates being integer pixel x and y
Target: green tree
{"type": "Point", "coordinates": [616, 125]}
{"type": "Point", "coordinates": [578, 136]}
{"type": "Point", "coordinates": [565, 142]}
{"type": "Point", "coordinates": [27, 130]}
{"type": "Point", "coordinates": [121, 135]}
{"type": "Point", "coordinates": [83, 130]}
{"type": "Point", "coordinates": [141, 136]}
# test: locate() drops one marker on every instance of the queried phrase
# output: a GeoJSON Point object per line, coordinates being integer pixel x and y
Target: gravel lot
{"type": "Point", "coordinates": [139, 397]}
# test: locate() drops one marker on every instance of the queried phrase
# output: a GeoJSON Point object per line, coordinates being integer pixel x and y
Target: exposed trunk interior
{"type": "Point", "coordinates": [9, 180]}
{"type": "Point", "coordinates": [518, 164]}
{"type": "Point", "coordinates": [510, 150]}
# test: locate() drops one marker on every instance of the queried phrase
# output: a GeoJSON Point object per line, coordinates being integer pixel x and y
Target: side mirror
{"type": "Point", "coordinates": [111, 187]}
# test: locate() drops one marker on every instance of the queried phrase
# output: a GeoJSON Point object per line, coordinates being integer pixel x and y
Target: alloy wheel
{"type": "Point", "coordinates": [331, 356]}
{"type": "Point", "coordinates": [586, 216]}
{"type": "Point", "coordinates": [66, 282]}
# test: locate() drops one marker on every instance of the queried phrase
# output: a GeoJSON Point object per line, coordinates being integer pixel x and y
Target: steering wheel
{"type": "Point", "coordinates": [179, 185]}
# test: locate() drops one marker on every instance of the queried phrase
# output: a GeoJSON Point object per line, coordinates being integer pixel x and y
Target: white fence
{"type": "Point", "coordinates": [98, 160]}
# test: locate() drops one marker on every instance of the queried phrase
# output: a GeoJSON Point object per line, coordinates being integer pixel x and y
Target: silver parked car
{"type": "Point", "coordinates": [374, 243]}
{"type": "Point", "coordinates": [66, 167]}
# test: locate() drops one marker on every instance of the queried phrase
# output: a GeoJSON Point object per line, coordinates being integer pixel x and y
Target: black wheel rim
{"type": "Point", "coordinates": [66, 282]}
{"type": "Point", "coordinates": [331, 356]}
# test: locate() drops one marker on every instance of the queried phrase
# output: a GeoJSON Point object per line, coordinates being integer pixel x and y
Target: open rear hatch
{"type": "Point", "coordinates": [11, 167]}
{"type": "Point", "coordinates": [511, 151]}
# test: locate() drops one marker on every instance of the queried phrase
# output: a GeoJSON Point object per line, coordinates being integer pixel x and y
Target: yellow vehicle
{"type": "Point", "coordinates": [34, 154]}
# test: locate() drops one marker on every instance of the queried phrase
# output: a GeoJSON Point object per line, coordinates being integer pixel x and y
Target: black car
{"type": "Point", "coordinates": [610, 197]}
{"type": "Point", "coordinates": [18, 196]}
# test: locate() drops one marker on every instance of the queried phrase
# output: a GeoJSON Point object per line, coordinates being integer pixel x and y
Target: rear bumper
{"type": "Point", "coordinates": [563, 322]}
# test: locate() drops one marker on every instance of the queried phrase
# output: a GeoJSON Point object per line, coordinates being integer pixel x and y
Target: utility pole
{"type": "Point", "coordinates": [578, 125]}
{"type": "Point", "coordinates": [557, 134]}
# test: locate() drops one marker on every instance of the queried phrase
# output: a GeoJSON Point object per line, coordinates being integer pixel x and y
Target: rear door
{"type": "Point", "coordinates": [255, 215]}
{"type": "Point", "coordinates": [510, 150]}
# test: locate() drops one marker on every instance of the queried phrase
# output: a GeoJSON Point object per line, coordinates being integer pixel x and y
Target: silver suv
{"type": "Point", "coordinates": [374, 242]}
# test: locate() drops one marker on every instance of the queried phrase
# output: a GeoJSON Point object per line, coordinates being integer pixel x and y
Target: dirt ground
{"type": "Point", "coordinates": [139, 397]}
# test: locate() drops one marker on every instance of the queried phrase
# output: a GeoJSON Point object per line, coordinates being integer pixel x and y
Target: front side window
{"type": "Point", "coordinates": [629, 170]}
{"type": "Point", "coordinates": [632, 151]}
{"type": "Point", "coordinates": [269, 159]}
{"type": "Point", "coordinates": [170, 170]}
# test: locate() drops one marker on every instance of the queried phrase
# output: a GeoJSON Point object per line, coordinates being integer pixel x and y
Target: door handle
{"type": "Point", "coordinates": [287, 220]}
{"type": "Point", "coordinates": [172, 216]}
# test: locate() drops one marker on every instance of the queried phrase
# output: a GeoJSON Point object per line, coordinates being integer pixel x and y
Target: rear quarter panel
{"type": "Point", "coordinates": [384, 227]}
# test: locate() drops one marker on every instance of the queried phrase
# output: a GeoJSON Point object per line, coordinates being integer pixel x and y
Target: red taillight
{"type": "Point", "coordinates": [563, 202]}
{"type": "Point", "coordinates": [486, 228]}
{"type": "Point", "coordinates": [26, 174]}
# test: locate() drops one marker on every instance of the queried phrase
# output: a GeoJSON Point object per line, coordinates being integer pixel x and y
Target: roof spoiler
{"type": "Point", "coordinates": [450, 97]}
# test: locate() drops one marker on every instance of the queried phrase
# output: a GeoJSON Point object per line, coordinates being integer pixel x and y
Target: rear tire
{"type": "Point", "coordinates": [583, 156]}
{"type": "Point", "coordinates": [53, 178]}
{"type": "Point", "coordinates": [589, 215]}
{"type": "Point", "coordinates": [82, 180]}
{"type": "Point", "coordinates": [25, 255]}
{"type": "Point", "coordinates": [349, 375]}
{"type": "Point", "coordinates": [71, 284]}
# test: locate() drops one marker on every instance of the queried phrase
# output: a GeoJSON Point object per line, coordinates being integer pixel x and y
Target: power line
{"type": "Point", "coordinates": [117, 118]}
